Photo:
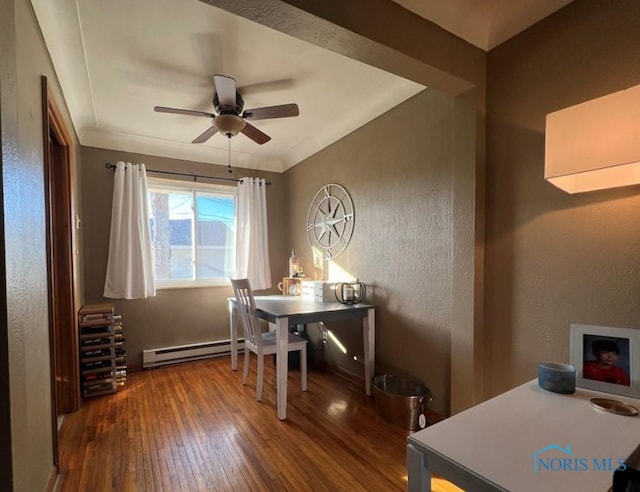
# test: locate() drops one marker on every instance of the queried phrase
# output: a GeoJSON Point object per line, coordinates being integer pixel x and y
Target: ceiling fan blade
{"type": "Point", "coordinates": [226, 90]}
{"type": "Point", "coordinates": [268, 86]}
{"type": "Point", "coordinates": [282, 111]}
{"type": "Point", "coordinates": [206, 135]}
{"type": "Point", "coordinates": [188, 112]}
{"type": "Point", "coordinates": [254, 134]}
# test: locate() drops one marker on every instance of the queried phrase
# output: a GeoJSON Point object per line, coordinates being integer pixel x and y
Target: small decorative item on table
{"type": "Point", "coordinates": [295, 269]}
{"type": "Point", "coordinates": [557, 377]}
{"type": "Point", "coordinates": [291, 286]}
{"type": "Point", "coordinates": [350, 292]}
{"type": "Point", "coordinates": [318, 290]}
{"type": "Point", "coordinates": [614, 406]}
{"type": "Point", "coordinates": [606, 358]}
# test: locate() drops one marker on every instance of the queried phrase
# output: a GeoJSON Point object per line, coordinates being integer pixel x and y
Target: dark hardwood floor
{"type": "Point", "coordinates": [195, 427]}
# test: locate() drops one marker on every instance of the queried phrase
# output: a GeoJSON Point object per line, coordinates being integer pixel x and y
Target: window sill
{"type": "Point", "coordinates": [191, 284]}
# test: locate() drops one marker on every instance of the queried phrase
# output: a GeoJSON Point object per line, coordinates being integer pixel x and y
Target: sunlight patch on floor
{"type": "Point", "coordinates": [441, 485]}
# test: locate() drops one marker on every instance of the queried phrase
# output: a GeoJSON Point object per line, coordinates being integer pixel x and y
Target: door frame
{"type": "Point", "coordinates": [53, 125]}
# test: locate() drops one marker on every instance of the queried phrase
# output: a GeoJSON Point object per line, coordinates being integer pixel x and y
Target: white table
{"type": "Point", "coordinates": [512, 442]}
{"type": "Point", "coordinates": [286, 311]}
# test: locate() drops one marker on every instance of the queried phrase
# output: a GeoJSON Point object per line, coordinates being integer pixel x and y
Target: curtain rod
{"type": "Point", "coordinates": [108, 165]}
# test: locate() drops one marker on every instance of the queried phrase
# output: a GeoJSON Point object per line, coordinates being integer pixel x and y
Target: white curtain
{"type": "Point", "coordinates": [252, 250]}
{"type": "Point", "coordinates": [130, 265]}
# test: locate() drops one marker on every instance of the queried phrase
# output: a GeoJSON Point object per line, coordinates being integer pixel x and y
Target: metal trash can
{"type": "Point", "coordinates": [400, 400]}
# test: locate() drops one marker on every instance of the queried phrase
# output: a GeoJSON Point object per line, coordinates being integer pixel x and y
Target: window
{"type": "Point", "coordinates": [193, 232]}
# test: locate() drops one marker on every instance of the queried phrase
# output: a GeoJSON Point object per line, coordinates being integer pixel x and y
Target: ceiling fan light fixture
{"type": "Point", "coordinates": [229, 124]}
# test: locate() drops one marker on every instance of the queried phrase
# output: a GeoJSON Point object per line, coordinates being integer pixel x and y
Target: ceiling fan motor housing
{"type": "Point", "coordinates": [228, 109]}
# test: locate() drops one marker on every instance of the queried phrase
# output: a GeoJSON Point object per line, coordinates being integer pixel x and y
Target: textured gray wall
{"type": "Point", "coordinates": [398, 171]}
{"type": "Point", "coordinates": [8, 157]}
{"type": "Point", "coordinates": [27, 270]}
{"type": "Point", "coordinates": [24, 60]}
{"type": "Point", "coordinates": [553, 258]}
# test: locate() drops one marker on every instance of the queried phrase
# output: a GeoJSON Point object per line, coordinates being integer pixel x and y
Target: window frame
{"type": "Point", "coordinates": [184, 186]}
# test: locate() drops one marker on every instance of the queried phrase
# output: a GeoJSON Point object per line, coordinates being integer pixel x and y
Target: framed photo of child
{"type": "Point", "coordinates": [606, 359]}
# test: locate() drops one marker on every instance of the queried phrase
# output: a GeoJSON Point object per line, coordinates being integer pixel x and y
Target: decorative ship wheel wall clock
{"type": "Point", "coordinates": [330, 221]}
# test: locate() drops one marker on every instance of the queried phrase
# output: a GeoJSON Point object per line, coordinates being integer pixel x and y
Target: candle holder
{"type": "Point", "coordinates": [350, 292]}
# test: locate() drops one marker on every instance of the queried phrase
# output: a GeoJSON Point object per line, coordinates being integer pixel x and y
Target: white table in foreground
{"type": "Point", "coordinates": [286, 311]}
{"type": "Point", "coordinates": [526, 440]}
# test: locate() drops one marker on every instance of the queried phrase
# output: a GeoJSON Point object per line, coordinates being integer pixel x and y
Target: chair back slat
{"type": "Point", "coordinates": [247, 310]}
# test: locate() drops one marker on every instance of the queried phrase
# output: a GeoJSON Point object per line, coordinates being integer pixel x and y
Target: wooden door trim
{"type": "Point", "coordinates": [53, 122]}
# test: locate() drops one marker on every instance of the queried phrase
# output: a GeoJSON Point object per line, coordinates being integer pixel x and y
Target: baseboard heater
{"type": "Point", "coordinates": [182, 353]}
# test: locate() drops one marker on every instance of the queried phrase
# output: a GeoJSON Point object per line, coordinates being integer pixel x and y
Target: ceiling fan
{"type": "Point", "coordinates": [231, 119]}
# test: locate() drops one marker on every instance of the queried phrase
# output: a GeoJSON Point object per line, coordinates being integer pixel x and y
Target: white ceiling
{"type": "Point", "coordinates": [116, 60]}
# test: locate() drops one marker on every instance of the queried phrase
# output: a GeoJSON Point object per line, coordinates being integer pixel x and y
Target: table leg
{"type": "Point", "coordinates": [369, 340]}
{"type": "Point", "coordinates": [233, 335]}
{"type": "Point", "coordinates": [418, 475]}
{"type": "Point", "coordinates": [282, 362]}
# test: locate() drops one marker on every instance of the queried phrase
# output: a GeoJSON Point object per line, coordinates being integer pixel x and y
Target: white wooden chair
{"type": "Point", "coordinates": [262, 344]}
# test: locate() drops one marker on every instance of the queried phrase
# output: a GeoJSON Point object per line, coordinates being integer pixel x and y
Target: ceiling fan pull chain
{"type": "Point", "coordinates": [229, 158]}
